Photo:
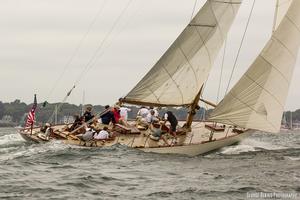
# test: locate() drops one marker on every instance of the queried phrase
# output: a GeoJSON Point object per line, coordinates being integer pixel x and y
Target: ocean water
{"type": "Point", "coordinates": [261, 164]}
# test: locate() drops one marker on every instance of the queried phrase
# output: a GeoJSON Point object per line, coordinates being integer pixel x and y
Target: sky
{"type": "Point", "coordinates": [49, 45]}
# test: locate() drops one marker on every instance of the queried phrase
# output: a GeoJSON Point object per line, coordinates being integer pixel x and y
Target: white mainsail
{"type": "Point", "coordinates": [180, 73]}
{"type": "Point", "coordinates": [257, 100]}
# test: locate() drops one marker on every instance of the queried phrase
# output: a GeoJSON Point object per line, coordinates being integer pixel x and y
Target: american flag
{"type": "Point", "coordinates": [31, 114]}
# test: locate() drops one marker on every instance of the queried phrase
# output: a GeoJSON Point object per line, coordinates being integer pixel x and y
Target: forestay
{"type": "Point", "coordinates": [180, 73]}
{"type": "Point", "coordinates": [257, 100]}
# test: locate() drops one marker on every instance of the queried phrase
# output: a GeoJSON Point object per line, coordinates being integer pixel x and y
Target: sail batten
{"type": "Point", "coordinates": [179, 74]}
{"type": "Point", "coordinates": [257, 100]}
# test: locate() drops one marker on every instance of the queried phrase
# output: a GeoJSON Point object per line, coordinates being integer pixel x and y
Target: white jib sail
{"type": "Point", "coordinates": [179, 74]}
{"type": "Point", "coordinates": [257, 100]}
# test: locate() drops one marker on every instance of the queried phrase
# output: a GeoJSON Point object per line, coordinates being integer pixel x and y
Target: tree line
{"type": "Point", "coordinates": [18, 111]}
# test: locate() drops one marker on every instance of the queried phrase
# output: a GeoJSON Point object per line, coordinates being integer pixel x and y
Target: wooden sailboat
{"type": "Point", "coordinates": [255, 103]}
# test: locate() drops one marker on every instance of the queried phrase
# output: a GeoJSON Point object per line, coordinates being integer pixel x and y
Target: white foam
{"type": "Point", "coordinates": [33, 150]}
{"type": "Point", "coordinates": [249, 145]}
{"type": "Point", "coordinates": [10, 138]}
{"type": "Point", "coordinates": [293, 158]}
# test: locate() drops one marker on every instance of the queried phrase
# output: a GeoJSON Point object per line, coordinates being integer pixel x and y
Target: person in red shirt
{"type": "Point", "coordinates": [117, 115]}
{"type": "Point", "coordinates": [116, 111]}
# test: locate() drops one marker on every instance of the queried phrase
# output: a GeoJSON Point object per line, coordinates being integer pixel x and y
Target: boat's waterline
{"type": "Point", "coordinates": [201, 148]}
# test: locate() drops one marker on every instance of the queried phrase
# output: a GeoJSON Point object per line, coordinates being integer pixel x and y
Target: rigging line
{"type": "Point", "coordinates": [275, 16]}
{"type": "Point", "coordinates": [94, 56]}
{"type": "Point", "coordinates": [239, 50]}
{"type": "Point", "coordinates": [109, 43]}
{"type": "Point", "coordinates": [73, 87]}
{"type": "Point", "coordinates": [60, 104]}
{"type": "Point", "coordinates": [222, 68]}
{"type": "Point", "coordinates": [76, 50]}
{"type": "Point", "coordinates": [194, 9]}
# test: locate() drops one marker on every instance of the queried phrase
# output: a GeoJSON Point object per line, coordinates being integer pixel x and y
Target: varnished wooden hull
{"type": "Point", "coordinates": [191, 144]}
{"type": "Point", "coordinates": [201, 148]}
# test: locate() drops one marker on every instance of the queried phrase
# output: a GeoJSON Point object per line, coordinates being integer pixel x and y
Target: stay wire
{"type": "Point", "coordinates": [88, 66]}
{"type": "Point", "coordinates": [222, 68]}
{"type": "Point", "coordinates": [79, 45]}
{"type": "Point", "coordinates": [94, 56]}
{"type": "Point", "coordinates": [242, 42]}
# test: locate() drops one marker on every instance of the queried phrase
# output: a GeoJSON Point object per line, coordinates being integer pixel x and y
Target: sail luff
{"type": "Point", "coordinates": [180, 73]}
{"type": "Point", "coordinates": [257, 100]}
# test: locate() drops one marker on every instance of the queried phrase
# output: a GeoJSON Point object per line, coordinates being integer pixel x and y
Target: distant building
{"type": "Point", "coordinates": [68, 119]}
{"type": "Point", "coordinates": [7, 119]}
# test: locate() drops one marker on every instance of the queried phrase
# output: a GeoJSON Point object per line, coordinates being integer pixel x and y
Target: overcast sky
{"type": "Point", "coordinates": [39, 37]}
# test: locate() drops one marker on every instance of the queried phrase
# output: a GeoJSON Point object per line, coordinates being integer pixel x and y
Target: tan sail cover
{"type": "Point", "coordinates": [257, 100]}
{"type": "Point", "coordinates": [179, 74]}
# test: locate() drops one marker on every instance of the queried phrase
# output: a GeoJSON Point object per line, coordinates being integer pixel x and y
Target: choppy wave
{"type": "Point", "coordinates": [262, 162]}
{"type": "Point", "coordinates": [249, 145]}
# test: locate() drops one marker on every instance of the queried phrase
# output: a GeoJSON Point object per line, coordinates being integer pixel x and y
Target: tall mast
{"type": "Point", "coordinates": [192, 110]}
{"type": "Point", "coordinates": [291, 121]}
{"type": "Point", "coordinates": [83, 99]}
{"type": "Point", "coordinates": [55, 116]}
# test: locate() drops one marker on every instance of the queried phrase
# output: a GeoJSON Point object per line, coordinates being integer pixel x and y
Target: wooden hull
{"type": "Point", "coordinates": [29, 138]}
{"type": "Point", "coordinates": [201, 148]}
{"type": "Point", "coordinates": [191, 144]}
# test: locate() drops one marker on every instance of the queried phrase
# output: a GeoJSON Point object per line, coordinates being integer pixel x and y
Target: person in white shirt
{"type": "Point", "coordinates": [102, 135]}
{"type": "Point", "coordinates": [124, 113]}
{"type": "Point", "coordinates": [143, 112]}
{"type": "Point", "coordinates": [151, 117]}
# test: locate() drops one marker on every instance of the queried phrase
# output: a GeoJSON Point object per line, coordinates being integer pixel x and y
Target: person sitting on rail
{"type": "Point", "coordinates": [95, 125]}
{"type": "Point", "coordinates": [170, 117]}
{"type": "Point", "coordinates": [77, 123]}
{"type": "Point", "coordinates": [87, 135]}
{"type": "Point", "coordinates": [156, 131]}
{"type": "Point", "coordinates": [107, 116]}
{"type": "Point", "coordinates": [102, 135]}
{"type": "Point", "coordinates": [48, 131]}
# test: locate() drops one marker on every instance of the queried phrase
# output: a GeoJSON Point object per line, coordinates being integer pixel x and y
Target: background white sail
{"type": "Point", "coordinates": [257, 100]}
{"type": "Point", "coordinates": [180, 73]}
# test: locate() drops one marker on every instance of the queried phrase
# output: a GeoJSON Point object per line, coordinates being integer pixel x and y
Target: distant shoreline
{"type": "Point", "coordinates": [7, 124]}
